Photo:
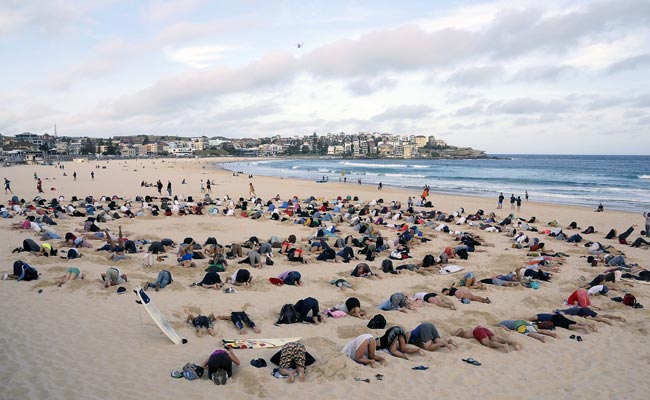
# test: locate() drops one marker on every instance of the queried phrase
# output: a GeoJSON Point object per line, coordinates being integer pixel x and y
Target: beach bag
{"type": "Point", "coordinates": [288, 314]}
{"type": "Point", "coordinates": [269, 261]}
{"type": "Point", "coordinates": [629, 299]}
{"type": "Point", "coordinates": [192, 371]}
{"type": "Point", "coordinates": [428, 261]}
{"type": "Point", "coordinates": [377, 322]}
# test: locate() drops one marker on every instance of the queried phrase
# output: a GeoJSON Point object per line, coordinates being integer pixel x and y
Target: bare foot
{"type": "Point", "coordinates": [257, 330]}
{"type": "Point", "coordinates": [291, 377]}
{"type": "Point", "coordinates": [301, 376]}
{"type": "Point", "coordinates": [506, 348]}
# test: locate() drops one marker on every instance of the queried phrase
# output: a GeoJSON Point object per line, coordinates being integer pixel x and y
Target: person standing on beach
{"type": "Point", "coordinates": [169, 188]}
{"type": "Point", "coordinates": [159, 185]}
{"type": "Point", "coordinates": [92, 175]}
{"type": "Point", "coordinates": [646, 215]}
{"type": "Point", "coordinates": [526, 195]}
{"type": "Point", "coordinates": [209, 186]}
{"type": "Point", "coordinates": [359, 181]}
{"type": "Point", "coordinates": [518, 203]}
{"type": "Point", "coordinates": [251, 190]}
{"type": "Point", "coordinates": [380, 186]}
{"type": "Point", "coordinates": [500, 203]}
{"type": "Point", "coordinates": [39, 185]}
{"type": "Point", "coordinates": [8, 187]}
{"type": "Point", "coordinates": [202, 186]}
{"type": "Point", "coordinates": [512, 201]}
{"type": "Point", "coordinates": [74, 175]}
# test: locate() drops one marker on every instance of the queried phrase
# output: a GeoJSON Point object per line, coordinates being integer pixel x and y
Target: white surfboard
{"type": "Point", "coordinates": [157, 316]}
{"type": "Point", "coordinates": [257, 343]}
{"type": "Point", "coordinates": [450, 269]}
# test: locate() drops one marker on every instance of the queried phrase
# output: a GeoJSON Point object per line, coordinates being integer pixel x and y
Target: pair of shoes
{"type": "Point", "coordinates": [472, 361]}
{"type": "Point", "coordinates": [229, 290]}
{"type": "Point", "coordinates": [420, 368]}
{"type": "Point", "coordinates": [193, 284]}
{"type": "Point", "coordinates": [258, 363]}
{"type": "Point", "coordinates": [578, 338]}
{"type": "Point", "coordinates": [220, 377]}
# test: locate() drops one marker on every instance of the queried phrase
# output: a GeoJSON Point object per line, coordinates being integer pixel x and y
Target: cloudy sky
{"type": "Point", "coordinates": [502, 76]}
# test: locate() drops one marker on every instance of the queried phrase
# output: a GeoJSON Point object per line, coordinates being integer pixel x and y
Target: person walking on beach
{"type": "Point", "coordinates": [159, 185]}
{"type": "Point", "coordinates": [169, 188]}
{"type": "Point", "coordinates": [500, 203]}
{"type": "Point", "coordinates": [202, 186]}
{"type": "Point", "coordinates": [526, 195]}
{"type": "Point", "coordinates": [74, 175]}
{"type": "Point", "coordinates": [518, 203]}
{"type": "Point", "coordinates": [512, 201]}
{"type": "Point", "coordinates": [209, 186]}
{"type": "Point", "coordinates": [380, 186]}
{"type": "Point", "coordinates": [251, 190]}
{"type": "Point", "coordinates": [646, 215]}
{"type": "Point", "coordinates": [359, 181]}
{"type": "Point", "coordinates": [92, 175]}
{"type": "Point", "coordinates": [39, 185]}
{"type": "Point", "coordinates": [8, 187]}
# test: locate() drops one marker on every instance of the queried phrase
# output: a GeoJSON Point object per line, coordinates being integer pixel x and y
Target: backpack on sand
{"type": "Point", "coordinates": [288, 315]}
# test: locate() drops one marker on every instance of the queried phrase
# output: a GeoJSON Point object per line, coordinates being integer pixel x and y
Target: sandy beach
{"type": "Point", "coordinates": [82, 341]}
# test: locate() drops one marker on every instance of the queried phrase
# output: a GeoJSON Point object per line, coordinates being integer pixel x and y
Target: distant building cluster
{"type": "Point", "coordinates": [30, 147]}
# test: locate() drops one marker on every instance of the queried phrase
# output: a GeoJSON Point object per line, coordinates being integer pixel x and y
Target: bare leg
{"type": "Point", "coordinates": [548, 332]}
{"type": "Point", "coordinates": [360, 355]}
{"type": "Point", "coordinates": [495, 345]}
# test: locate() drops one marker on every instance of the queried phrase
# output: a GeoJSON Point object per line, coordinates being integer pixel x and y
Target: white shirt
{"type": "Point", "coordinates": [595, 290]}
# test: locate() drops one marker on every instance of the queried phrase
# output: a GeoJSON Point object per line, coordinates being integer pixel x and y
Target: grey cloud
{"type": "Point", "coordinates": [629, 63]}
{"type": "Point", "coordinates": [515, 32]}
{"type": "Point", "coordinates": [404, 48]}
{"type": "Point", "coordinates": [642, 101]}
{"type": "Point", "coordinates": [600, 103]}
{"type": "Point", "coordinates": [404, 112]}
{"type": "Point", "coordinates": [528, 106]}
{"type": "Point", "coordinates": [181, 91]}
{"type": "Point", "coordinates": [364, 87]}
{"type": "Point", "coordinates": [543, 73]}
{"type": "Point", "coordinates": [476, 76]}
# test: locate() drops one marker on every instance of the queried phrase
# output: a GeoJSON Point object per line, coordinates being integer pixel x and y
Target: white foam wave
{"type": "Point", "coordinates": [419, 166]}
{"type": "Point", "coordinates": [372, 165]}
{"type": "Point", "coordinates": [644, 176]}
{"type": "Point", "coordinates": [295, 167]}
{"type": "Point", "coordinates": [406, 176]}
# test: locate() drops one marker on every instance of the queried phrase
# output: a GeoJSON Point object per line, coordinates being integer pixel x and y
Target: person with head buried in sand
{"type": "Point", "coordinates": [487, 338]}
{"type": "Point", "coordinates": [462, 293]}
{"type": "Point", "coordinates": [201, 322]}
{"type": "Point", "coordinates": [363, 349]}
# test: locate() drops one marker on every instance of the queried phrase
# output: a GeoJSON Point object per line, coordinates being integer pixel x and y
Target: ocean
{"type": "Point", "coordinates": [619, 182]}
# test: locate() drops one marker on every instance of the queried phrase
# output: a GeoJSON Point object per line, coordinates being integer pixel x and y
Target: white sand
{"type": "Point", "coordinates": [81, 341]}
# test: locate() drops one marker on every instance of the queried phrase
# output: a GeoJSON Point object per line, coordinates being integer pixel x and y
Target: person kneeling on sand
{"type": "Point", "coordinates": [201, 321]}
{"type": "Point", "coordinates": [487, 338]}
{"type": "Point", "coordinates": [395, 341]}
{"type": "Point", "coordinates": [219, 365]}
{"type": "Point", "coordinates": [426, 337]}
{"type": "Point", "coordinates": [241, 277]}
{"type": "Point", "coordinates": [113, 277]}
{"type": "Point", "coordinates": [70, 274]}
{"type": "Point", "coordinates": [363, 349]}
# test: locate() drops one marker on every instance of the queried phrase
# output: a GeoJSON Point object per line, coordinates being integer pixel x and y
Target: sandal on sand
{"type": "Point", "coordinates": [420, 368]}
{"type": "Point", "coordinates": [379, 377]}
{"type": "Point", "coordinates": [177, 374]}
{"type": "Point", "coordinates": [471, 361]}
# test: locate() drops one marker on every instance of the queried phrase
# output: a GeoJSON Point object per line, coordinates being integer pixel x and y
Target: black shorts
{"type": "Point", "coordinates": [219, 361]}
{"type": "Point", "coordinates": [243, 276]}
{"type": "Point", "coordinates": [428, 296]}
{"type": "Point", "coordinates": [561, 321]}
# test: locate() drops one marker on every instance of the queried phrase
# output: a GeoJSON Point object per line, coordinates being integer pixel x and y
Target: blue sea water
{"type": "Point", "coordinates": [619, 182]}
